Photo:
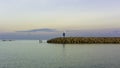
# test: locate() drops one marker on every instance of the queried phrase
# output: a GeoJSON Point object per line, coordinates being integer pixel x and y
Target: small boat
{"type": "Point", "coordinates": [40, 41]}
{"type": "Point", "coordinates": [7, 40]}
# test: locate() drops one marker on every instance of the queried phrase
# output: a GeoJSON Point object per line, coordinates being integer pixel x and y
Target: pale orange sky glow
{"type": "Point", "coordinates": [61, 15]}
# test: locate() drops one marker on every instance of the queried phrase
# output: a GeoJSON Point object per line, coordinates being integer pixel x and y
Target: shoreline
{"type": "Point", "coordinates": [85, 40]}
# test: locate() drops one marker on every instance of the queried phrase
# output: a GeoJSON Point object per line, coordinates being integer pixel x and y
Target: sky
{"type": "Point", "coordinates": [45, 19]}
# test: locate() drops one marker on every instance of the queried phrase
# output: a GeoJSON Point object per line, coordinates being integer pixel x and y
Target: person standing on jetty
{"type": "Point", "coordinates": [63, 34]}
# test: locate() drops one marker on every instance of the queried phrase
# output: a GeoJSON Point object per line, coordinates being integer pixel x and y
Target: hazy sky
{"type": "Point", "coordinates": [22, 15]}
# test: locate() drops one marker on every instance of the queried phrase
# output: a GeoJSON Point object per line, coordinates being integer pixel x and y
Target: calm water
{"type": "Point", "coordinates": [32, 54]}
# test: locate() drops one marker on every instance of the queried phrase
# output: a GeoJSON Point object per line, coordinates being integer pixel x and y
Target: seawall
{"type": "Point", "coordinates": [85, 40]}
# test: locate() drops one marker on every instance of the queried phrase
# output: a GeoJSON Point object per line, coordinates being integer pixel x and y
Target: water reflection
{"type": "Point", "coordinates": [64, 56]}
{"type": "Point", "coordinates": [63, 45]}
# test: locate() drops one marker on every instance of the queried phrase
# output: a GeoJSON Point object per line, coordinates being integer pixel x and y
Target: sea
{"type": "Point", "coordinates": [37, 54]}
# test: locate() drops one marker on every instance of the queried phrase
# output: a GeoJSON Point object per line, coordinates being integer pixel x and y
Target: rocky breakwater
{"type": "Point", "coordinates": [85, 40]}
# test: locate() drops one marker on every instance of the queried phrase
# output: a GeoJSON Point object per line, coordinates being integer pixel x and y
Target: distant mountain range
{"type": "Point", "coordinates": [39, 30]}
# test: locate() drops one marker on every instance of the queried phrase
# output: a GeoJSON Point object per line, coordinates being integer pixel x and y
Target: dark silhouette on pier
{"type": "Point", "coordinates": [63, 34]}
